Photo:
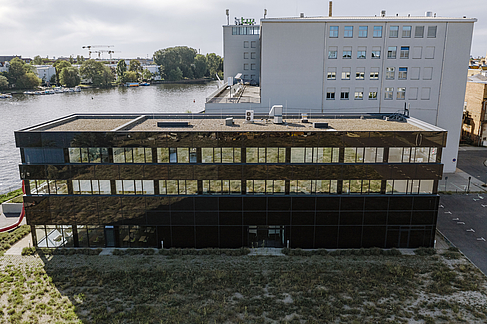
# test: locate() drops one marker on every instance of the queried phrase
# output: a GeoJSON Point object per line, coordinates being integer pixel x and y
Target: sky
{"type": "Point", "coordinates": [57, 28]}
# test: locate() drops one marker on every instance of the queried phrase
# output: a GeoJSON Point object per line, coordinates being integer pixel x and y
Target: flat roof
{"type": "Point", "coordinates": [370, 18]}
{"type": "Point", "coordinates": [184, 122]}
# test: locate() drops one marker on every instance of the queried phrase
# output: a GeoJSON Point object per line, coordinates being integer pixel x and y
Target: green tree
{"type": "Point", "coordinates": [92, 71]}
{"type": "Point", "coordinates": [121, 70]}
{"type": "Point", "coordinates": [214, 64]}
{"type": "Point", "coordinates": [21, 75]}
{"type": "Point", "coordinates": [200, 66]}
{"type": "Point", "coordinates": [60, 65]}
{"type": "Point", "coordinates": [37, 60]}
{"type": "Point", "coordinates": [107, 77]}
{"type": "Point", "coordinates": [70, 77]}
{"type": "Point", "coordinates": [79, 59]}
{"type": "Point", "coordinates": [3, 82]}
{"type": "Point", "coordinates": [135, 66]}
{"type": "Point", "coordinates": [175, 74]}
{"type": "Point", "coordinates": [147, 75]}
{"type": "Point", "coordinates": [181, 57]}
{"type": "Point", "coordinates": [131, 76]}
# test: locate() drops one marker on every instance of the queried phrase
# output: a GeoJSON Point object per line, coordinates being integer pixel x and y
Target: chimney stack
{"type": "Point", "coordinates": [330, 5]}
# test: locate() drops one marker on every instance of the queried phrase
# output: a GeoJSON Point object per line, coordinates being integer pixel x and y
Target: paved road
{"type": "Point", "coordinates": [470, 160]}
{"type": "Point", "coordinates": [463, 220]}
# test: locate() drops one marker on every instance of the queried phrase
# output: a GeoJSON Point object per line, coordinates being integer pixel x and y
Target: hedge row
{"type": "Point", "coordinates": [7, 239]}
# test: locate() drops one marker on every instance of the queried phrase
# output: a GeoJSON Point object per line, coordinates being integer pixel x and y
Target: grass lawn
{"type": "Point", "coordinates": [159, 288]}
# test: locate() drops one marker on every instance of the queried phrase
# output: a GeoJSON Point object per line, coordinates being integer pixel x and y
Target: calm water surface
{"type": "Point", "coordinates": [22, 111]}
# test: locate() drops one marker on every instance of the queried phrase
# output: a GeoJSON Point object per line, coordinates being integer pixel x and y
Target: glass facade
{"type": "Point", "coordinates": [316, 189]}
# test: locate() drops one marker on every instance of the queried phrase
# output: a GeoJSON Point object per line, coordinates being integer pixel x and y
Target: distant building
{"type": "Point", "coordinates": [45, 72]}
{"type": "Point", "coordinates": [474, 126]}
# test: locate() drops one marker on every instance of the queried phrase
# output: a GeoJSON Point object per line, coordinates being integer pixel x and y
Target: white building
{"type": "Point", "coordinates": [241, 51]}
{"type": "Point", "coordinates": [45, 72]}
{"type": "Point", "coordinates": [366, 65]}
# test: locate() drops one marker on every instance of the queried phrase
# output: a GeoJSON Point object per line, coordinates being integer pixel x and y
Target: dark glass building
{"type": "Point", "coordinates": [199, 180]}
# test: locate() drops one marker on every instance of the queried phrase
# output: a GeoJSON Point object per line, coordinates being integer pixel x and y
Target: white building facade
{"type": "Point", "coordinates": [367, 65]}
{"type": "Point", "coordinates": [241, 52]}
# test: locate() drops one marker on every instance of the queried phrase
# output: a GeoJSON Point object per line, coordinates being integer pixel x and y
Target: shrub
{"type": "Point", "coordinates": [62, 251]}
{"type": "Point", "coordinates": [7, 239]}
{"type": "Point", "coordinates": [28, 251]}
{"type": "Point", "coordinates": [425, 251]}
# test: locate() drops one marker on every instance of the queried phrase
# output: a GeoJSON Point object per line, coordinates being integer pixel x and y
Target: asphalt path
{"type": "Point", "coordinates": [462, 218]}
{"type": "Point", "coordinates": [470, 160]}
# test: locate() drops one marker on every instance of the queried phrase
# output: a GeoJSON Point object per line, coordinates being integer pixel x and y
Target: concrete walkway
{"type": "Point", "coordinates": [16, 249]}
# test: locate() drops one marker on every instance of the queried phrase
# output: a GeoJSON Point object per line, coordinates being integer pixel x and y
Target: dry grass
{"type": "Point", "coordinates": [157, 288]}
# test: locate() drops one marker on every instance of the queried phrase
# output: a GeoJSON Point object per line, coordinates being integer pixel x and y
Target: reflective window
{"type": "Point", "coordinates": [34, 155]}
{"type": "Point", "coordinates": [412, 154]}
{"type": "Point", "coordinates": [406, 31]}
{"type": "Point", "coordinates": [312, 187]}
{"type": "Point", "coordinates": [391, 52]}
{"type": "Point", "coordinates": [333, 31]}
{"type": "Point", "coordinates": [375, 53]}
{"type": "Point", "coordinates": [404, 52]}
{"type": "Point", "coordinates": [393, 31]}
{"type": "Point", "coordinates": [91, 187]}
{"type": "Point", "coordinates": [88, 155]}
{"type": "Point", "coordinates": [314, 154]}
{"type": "Point", "coordinates": [401, 93]}
{"type": "Point", "coordinates": [134, 187]}
{"type": "Point", "coordinates": [132, 155]}
{"type": "Point", "coordinates": [419, 31]}
{"type": "Point", "coordinates": [222, 187]}
{"type": "Point", "coordinates": [176, 155]}
{"type": "Point", "coordinates": [403, 73]}
{"type": "Point", "coordinates": [270, 187]}
{"type": "Point", "coordinates": [178, 187]}
{"type": "Point", "coordinates": [46, 187]}
{"type": "Point", "coordinates": [362, 31]}
{"type": "Point", "coordinates": [431, 31]}
{"type": "Point", "coordinates": [377, 31]}
{"type": "Point", "coordinates": [348, 31]}
{"type": "Point", "coordinates": [361, 186]}
{"type": "Point", "coordinates": [390, 73]}
{"type": "Point", "coordinates": [265, 154]}
{"type": "Point", "coordinates": [220, 155]}
{"type": "Point", "coordinates": [409, 187]}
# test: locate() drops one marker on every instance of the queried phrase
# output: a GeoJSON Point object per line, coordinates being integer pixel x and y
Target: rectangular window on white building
{"type": "Point", "coordinates": [253, 55]}
{"type": "Point", "coordinates": [406, 31]}
{"type": "Point", "coordinates": [427, 73]}
{"type": "Point", "coordinates": [359, 94]}
{"type": "Point", "coordinates": [401, 93]}
{"type": "Point", "coordinates": [346, 73]}
{"type": "Point", "coordinates": [374, 73]}
{"type": "Point", "coordinates": [425, 93]}
{"type": "Point", "coordinates": [246, 55]}
{"type": "Point", "coordinates": [333, 31]}
{"type": "Point", "coordinates": [330, 94]}
{"type": "Point", "coordinates": [362, 52]}
{"type": "Point", "coordinates": [333, 52]}
{"type": "Point", "coordinates": [417, 51]}
{"type": "Point", "coordinates": [373, 94]}
{"type": "Point", "coordinates": [390, 73]}
{"type": "Point", "coordinates": [377, 31]}
{"type": "Point", "coordinates": [418, 31]}
{"type": "Point", "coordinates": [246, 44]}
{"type": "Point", "coordinates": [431, 31]}
{"type": "Point", "coordinates": [252, 66]}
{"type": "Point", "coordinates": [375, 52]}
{"type": "Point", "coordinates": [393, 31]}
{"type": "Point", "coordinates": [429, 52]}
{"type": "Point", "coordinates": [403, 73]}
{"type": "Point", "coordinates": [253, 44]}
{"type": "Point", "coordinates": [413, 93]}
{"type": "Point", "coordinates": [332, 73]}
{"type": "Point", "coordinates": [246, 66]}
{"type": "Point", "coordinates": [347, 52]}
{"type": "Point", "coordinates": [344, 94]}
{"type": "Point", "coordinates": [404, 52]}
{"type": "Point", "coordinates": [360, 73]}
{"type": "Point", "coordinates": [348, 31]}
{"type": "Point", "coordinates": [362, 31]}
{"type": "Point", "coordinates": [414, 73]}
{"type": "Point", "coordinates": [388, 93]}
{"type": "Point", "coordinates": [391, 52]}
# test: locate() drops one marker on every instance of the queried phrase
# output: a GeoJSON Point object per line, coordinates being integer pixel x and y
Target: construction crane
{"type": "Point", "coordinates": [89, 47]}
{"type": "Point", "coordinates": [100, 52]}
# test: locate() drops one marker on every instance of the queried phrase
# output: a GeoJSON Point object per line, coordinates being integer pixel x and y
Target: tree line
{"type": "Point", "coordinates": [175, 63]}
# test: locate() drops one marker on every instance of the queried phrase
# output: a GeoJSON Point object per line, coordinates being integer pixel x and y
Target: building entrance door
{"type": "Point", "coordinates": [266, 236]}
{"type": "Point", "coordinates": [110, 236]}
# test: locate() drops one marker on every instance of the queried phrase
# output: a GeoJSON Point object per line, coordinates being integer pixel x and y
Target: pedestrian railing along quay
{"type": "Point", "coordinates": [243, 99]}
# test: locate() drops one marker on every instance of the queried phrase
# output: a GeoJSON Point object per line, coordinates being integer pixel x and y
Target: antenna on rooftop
{"type": "Point", "coordinates": [228, 16]}
{"type": "Point", "coordinates": [265, 13]}
{"type": "Point", "coordinates": [330, 5]}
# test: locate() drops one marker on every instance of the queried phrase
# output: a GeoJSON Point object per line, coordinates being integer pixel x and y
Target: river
{"type": "Point", "coordinates": [22, 111]}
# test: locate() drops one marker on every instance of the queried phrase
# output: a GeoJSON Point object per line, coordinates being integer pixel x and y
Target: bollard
{"type": "Point", "coordinates": [288, 244]}
{"type": "Point", "coordinates": [162, 244]}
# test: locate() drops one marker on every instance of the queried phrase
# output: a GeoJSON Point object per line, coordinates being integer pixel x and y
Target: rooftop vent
{"type": "Point", "coordinates": [301, 15]}
{"type": "Point", "coordinates": [172, 124]}
{"type": "Point", "coordinates": [383, 13]}
{"type": "Point", "coordinates": [229, 121]}
{"type": "Point", "coordinates": [276, 112]}
{"type": "Point", "coordinates": [320, 125]}
{"type": "Point", "coordinates": [429, 14]}
{"type": "Point", "coordinates": [304, 118]}
{"type": "Point", "coordinates": [249, 116]}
